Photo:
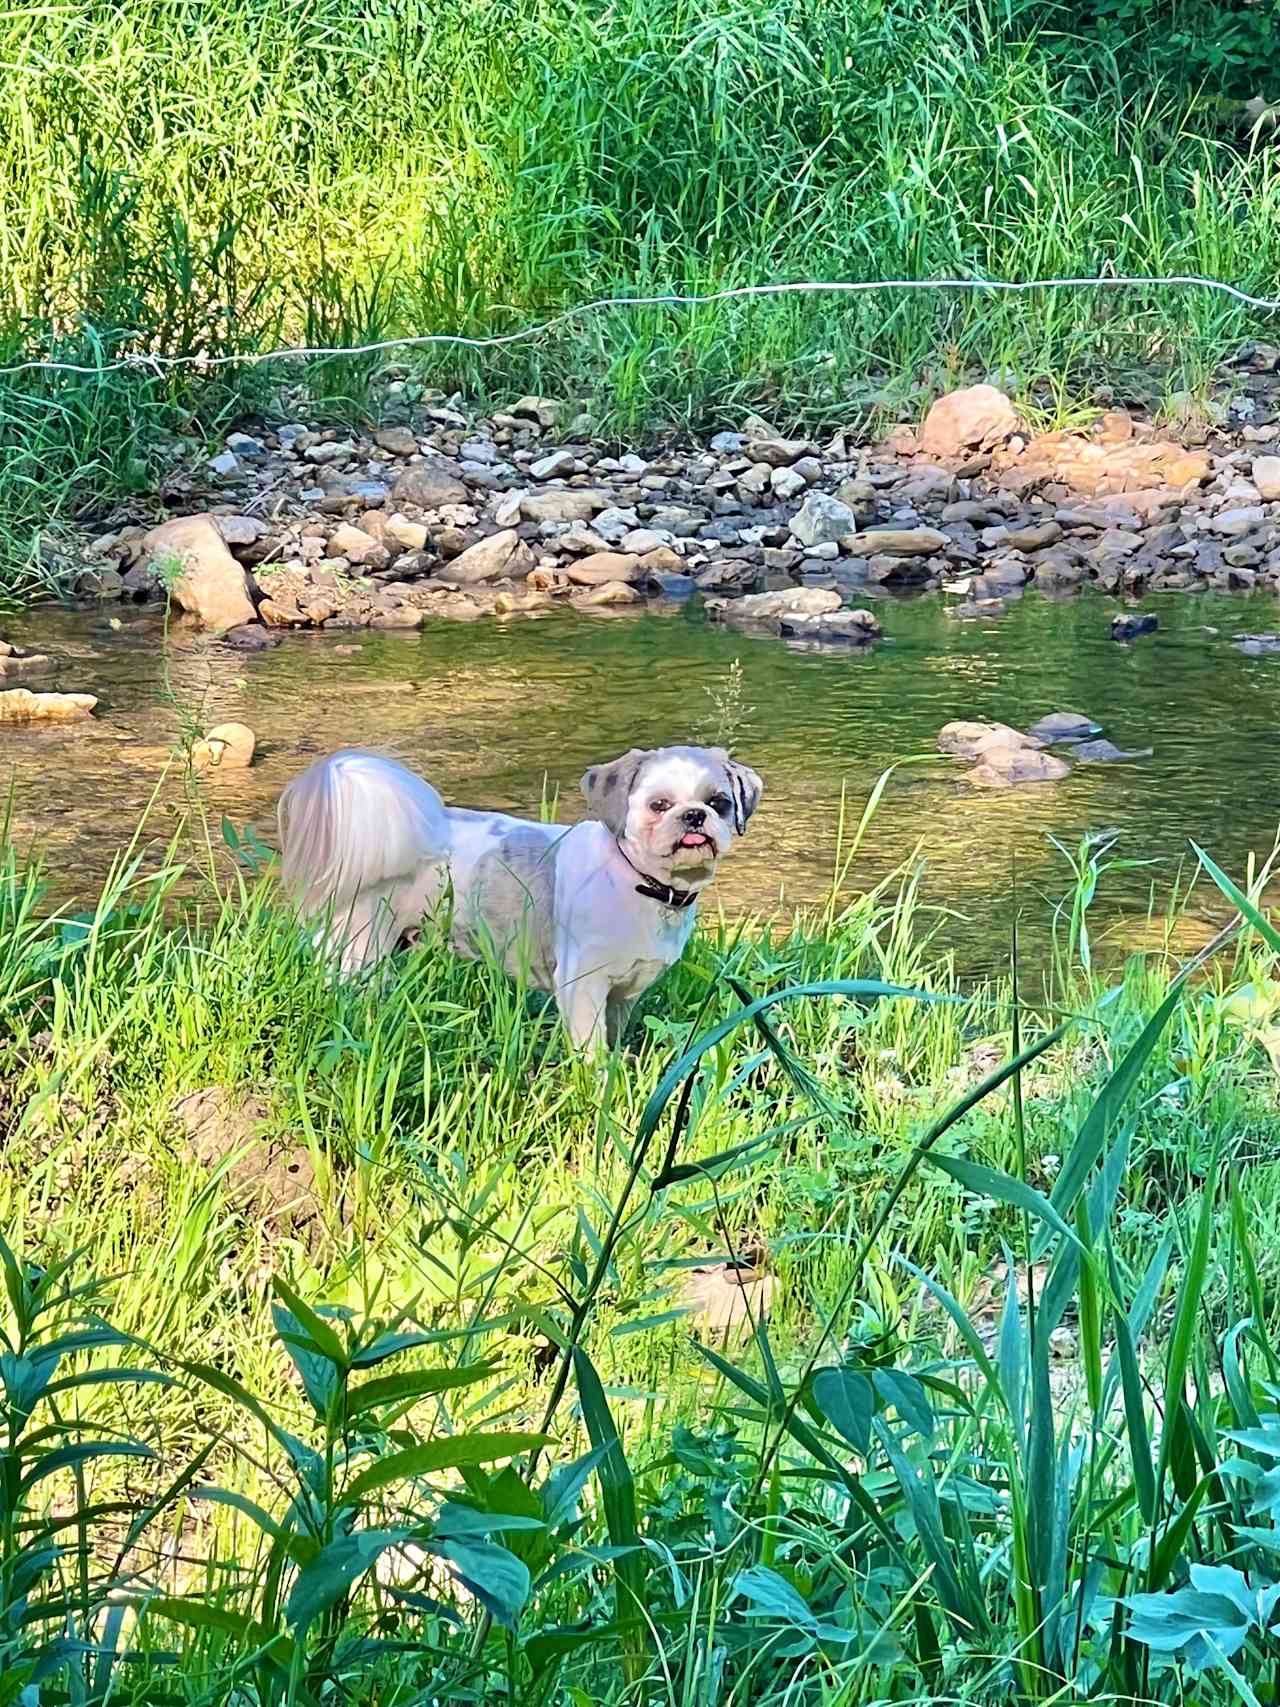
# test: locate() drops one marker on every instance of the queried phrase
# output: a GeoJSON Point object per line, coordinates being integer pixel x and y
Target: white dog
{"type": "Point", "coordinates": [593, 913]}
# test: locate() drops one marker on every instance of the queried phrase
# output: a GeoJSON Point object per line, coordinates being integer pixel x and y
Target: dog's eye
{"type": "Point", "coordinates": [659, 806]}
{"type": "Point", "coordinates": [721, 803]}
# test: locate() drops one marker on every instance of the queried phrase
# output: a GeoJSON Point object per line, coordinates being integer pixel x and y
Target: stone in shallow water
{"type": "Point", "coordinates": [1005, 766]}
{"type": "Point", "coordinates": [1130, 627]}
{"type": "Point", "coordinates": [20, 705]}
{"type": "Point", "coordinates": [972, 741]}
{"type": "Point", "coordinates": [1106, 753]}
{"type": "Point", "coordinates": [1258, 645]}
{"type": "Point", "coordinates": [1065, 726]}
{"type": "Point", "coordinates": [855, 627]}
{"type": "Point", "coordinates": [228, 747]}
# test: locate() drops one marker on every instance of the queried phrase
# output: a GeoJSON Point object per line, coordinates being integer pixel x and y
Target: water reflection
{"type": "Point", "coordinates": [494, 715]}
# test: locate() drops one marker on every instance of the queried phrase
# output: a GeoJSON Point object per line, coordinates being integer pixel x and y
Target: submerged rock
{"type": "Point", "coordinates": [1004, 767]}
{"type": "Point", "coordinates": [227, 746]}
{"type": "Point", "coordinates": [853, 627]}
{"type": "Point", "coordinates": [20, 705]}
{"type": "Point", "coordinates": [1130, 627]}
{"type": "Point", "coordinates": [1106, 753]}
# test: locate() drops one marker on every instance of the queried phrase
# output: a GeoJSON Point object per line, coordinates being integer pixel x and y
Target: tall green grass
{"type": "Point", "coordinates": [178, 180]}
{"type": "Point", "coordinates": [457, 1432]}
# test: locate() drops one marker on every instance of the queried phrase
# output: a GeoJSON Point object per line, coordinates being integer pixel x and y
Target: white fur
{"type": "Point", "coordinates": [370, 849]}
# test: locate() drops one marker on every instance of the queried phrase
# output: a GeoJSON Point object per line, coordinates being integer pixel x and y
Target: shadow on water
{"type": "Point", "coordinates": [492, 712]}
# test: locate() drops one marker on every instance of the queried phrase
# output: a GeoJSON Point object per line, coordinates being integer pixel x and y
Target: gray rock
{"type": "Point", "coordinates": [246, 447]}
{"type": "Point", "coordinates": [224, 465]}
{"type": "Point", "coordinates": [1258, 645]}
{"type": "Point", "coordinates": [1266, 477]}
{"type": "Point", "coordinates": [428, 486]}
{"type": "Point", "coordinates": [1064, 726]}
{"type": "Point", "coordinates": [851, 627]}
{"type": "Point", "coordinates": [559, 462]}
{"type": "Point", "coordinates": [572, 504]}
{"type": "Point", "coordinates": [329, 452]}
{"type": "Point", "coordinates": [1239, 521]}
{"type": "Point", "coordinates": [1130, 627]}
{"type": "Point", "coordinates": [240, 530]}
{"type": "Point", "coordinates": [1105, 753]}
{"type": "Point", "coordinates": [822, 519]}
{"type": "Point", "coordinates": [668, 585]}
{"type": "Point", "coordinates": [503, 556]}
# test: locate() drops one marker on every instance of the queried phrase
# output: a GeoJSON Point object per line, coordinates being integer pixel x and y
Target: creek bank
{"type": "Point", "coordinates": [442, 516]}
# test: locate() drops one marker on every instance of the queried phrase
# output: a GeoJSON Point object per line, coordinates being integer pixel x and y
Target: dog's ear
{"type": "Point", "coordinates": [745, 786]}
{"type": "Point", "coordinates": [607, 788]}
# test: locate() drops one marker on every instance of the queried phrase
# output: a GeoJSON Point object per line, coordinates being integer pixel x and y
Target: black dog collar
{"type": "Point", "coordinates": [656, 891]}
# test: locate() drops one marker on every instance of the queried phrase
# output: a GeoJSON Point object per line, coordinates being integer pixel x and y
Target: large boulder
{"type": "Point", "coordinates": [203, 577]}
{"type": "Point", "coordinates": [502, 557]}
{"type": "Point", "coordinates": [972, 419]}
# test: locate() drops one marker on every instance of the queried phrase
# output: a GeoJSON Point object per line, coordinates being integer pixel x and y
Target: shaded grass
{"type": "Point", "coordinates": [466, 1170]}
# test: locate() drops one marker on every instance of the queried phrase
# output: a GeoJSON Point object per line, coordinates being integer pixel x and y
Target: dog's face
{"type": "Point", "coordinates": [675, 810]}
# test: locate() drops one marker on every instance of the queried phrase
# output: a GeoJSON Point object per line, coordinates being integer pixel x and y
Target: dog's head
{"type": "Point", "coordinates": [675, 810]}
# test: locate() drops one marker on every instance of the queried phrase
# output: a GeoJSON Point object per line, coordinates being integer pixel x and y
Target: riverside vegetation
{"type": "Point", "coordinates": [184, 183]}
{"type": "Point", "coordinates": [855, 1339]}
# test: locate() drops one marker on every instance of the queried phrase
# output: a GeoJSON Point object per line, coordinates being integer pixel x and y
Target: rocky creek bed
{"type": "Point", "coordinates": [444, 589]}
{"type": "Point", "coordinates": [445, 516]}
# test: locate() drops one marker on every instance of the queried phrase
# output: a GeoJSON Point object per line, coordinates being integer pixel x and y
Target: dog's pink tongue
{"type": "Point", "coordinates": [693, 841]}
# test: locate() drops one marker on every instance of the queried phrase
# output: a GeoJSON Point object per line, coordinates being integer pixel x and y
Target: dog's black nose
{"type": "Point", "coordinates": [695, 817]}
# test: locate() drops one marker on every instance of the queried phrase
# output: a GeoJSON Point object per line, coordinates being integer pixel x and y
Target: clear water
{"type": "Point", "coordinates": [494, 713]}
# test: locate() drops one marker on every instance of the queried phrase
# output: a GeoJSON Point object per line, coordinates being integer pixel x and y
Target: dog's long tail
{"type": "Point", "coordinates": [353, 821]}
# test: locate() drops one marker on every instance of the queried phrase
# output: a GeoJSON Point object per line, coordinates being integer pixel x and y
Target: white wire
{"type": "Point", "coordinates": [666, 299]}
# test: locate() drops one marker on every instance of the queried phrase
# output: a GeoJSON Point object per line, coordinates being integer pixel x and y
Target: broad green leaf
{"type": "Point", "coordinates": [412, 1384]}
{"type": "Point", "coordinates": [314, 1327]}
{"type": "Point", "coordinates": [774, 1596]}
{"type": "Point", "coordinates": [846, 1400]}
{"type": "Point", "coordinates": [334, 1569]}
{"type": "Point", "coordinates": [497, 1579]}
{"type": "Point", "coordinates": [320, 1375]}
{"type": "Point", "coordinates": [908, 1398]}
{"type": "Point", "coordinates": [451, 1453]}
